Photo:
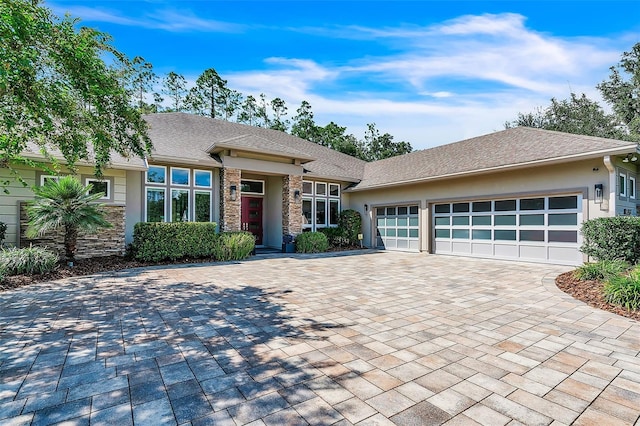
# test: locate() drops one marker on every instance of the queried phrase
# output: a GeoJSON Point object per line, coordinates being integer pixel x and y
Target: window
{"type": "Point", "coordinates": [334, 190]}
{"type": "Point", "coordinates": [202, 178]}
{"type": "Point", "coordinates": [252, 187]}
{"type": "Point", "coordinates": [99, 186]}
{"type": "Point", "coordinates": [622, 185]}
{"type": "Point", "coordinates": [155, 205]}
{"type": "Point", "coordinates": [179, 205]}
{"type": "Point", "coordinates": [532, 204]}
{"type": "Point", "coordinates": [186, 194]}
{"type": "Point", "coordinates": [320, 204]}
{"type": "Point", "coordinates": [307, 187]}
{"type": "Point", "coordinates": [202, 206]}
{"type": "Point", "coordinates": [307, 213]}
{"type": "Point", "coordinates": [156, 174]}
{"type": "Point", "coordinates": [180, 176]}
{"type": "Point", "coordinates": [334, 212]}
{"type": "Point", "coordinates": [45, 178]}
{"type": "Point", "coordinates": [321, 212]}
{"type": "Point", "coordinates": [632, 187]}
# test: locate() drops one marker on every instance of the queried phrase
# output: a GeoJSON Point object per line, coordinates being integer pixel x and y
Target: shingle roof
{"type": "Point", "coordinates": [508, 148]}
{"type": "Point", "coordinates": [116, 161]}
{"type": "Point", "coordinates": [190, 138]}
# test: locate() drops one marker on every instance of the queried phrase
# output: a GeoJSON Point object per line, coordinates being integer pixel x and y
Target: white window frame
{"type": "Point", "coordinates": [195, 183]}
{"type": "Point", "coordinates": [146, 175]}
{"type": "Point", "coordinates": [180, 184]}
{"type": "Point", "coordinates": [193, 213]}
{"type": "Point", "coordinates": [189, 203]}
{"type": "Point", "coordinates": [318, 185]}
{"type": "Point", "coordinates": [336, 185]}
{"type": "Point", "coordinates": [252, 180]}
{"type": "Point", "coordinates": [622, 182]}
{"type": "Point", "coordinates": [107, 196]}
{"type": "Point", "coordinates": [632, 187]}
{"type": "Point", "coordinates": [313, 184]}
{"type": "Point", "coordinates": [52, 177]}
{"type": "Point", "coordinates": [332, 200]}
{"type": "Point", "coordinates": [146, 200]}
{"type": "Point", "coordinates": [315, 211]}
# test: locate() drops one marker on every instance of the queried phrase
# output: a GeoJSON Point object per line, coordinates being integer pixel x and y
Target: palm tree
{"type": "Point", "coordinates": [65, 203]}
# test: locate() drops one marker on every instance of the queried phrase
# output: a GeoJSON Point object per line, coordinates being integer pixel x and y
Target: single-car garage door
{"type": "Point", "coordinates": [538, 229]}
{"type": "Point", "coordinates": [398, 227]}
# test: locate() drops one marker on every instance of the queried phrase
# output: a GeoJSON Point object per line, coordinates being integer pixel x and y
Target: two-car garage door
{"type": "Point", "coordinates": [539, 229]}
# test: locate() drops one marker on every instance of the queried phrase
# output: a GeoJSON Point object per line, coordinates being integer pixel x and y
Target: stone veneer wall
{"type": "Point", "coordinates": [104, 242]}
{"type": "Point", "coordinates": [291, 209]}
{"type": "Point", "coordinates": [230, 218]}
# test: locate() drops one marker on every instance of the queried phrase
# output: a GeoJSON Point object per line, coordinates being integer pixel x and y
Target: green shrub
{"type": "Point", "coordinates": [612, 238]}
{"type": "Point", "coordinates": [28, 260]}
{"type": "Point", "coordinates": [156, 241]}
{"type": "Point", "coordinates": [601, 271]}
{"type": "Point", "coordinates": [3, 232]}
{"type": "Point", "coordinates": [350, 222]}
{"type": "Point", "coordinates": [312, 242]}
{"type": "Point", "coordinates": [624, 290]}
{"type": "Point", "coordinates": [336, 237]}
{"type": "Point", "coordinates": [233, 246]}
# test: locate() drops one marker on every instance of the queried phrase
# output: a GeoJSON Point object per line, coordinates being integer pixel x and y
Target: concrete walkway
{"type": "Point", "coordinates": [367, 339]}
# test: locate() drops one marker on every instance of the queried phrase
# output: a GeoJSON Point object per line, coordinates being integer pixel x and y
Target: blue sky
{"type": "Point", "coordinates": [427, 72]}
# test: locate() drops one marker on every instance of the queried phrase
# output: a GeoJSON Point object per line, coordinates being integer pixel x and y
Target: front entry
{"type": "Point", "coordinates": [252, 217]}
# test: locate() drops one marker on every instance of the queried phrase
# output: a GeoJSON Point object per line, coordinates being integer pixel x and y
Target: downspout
{"type": "Point", "coordinates": [612, 184]}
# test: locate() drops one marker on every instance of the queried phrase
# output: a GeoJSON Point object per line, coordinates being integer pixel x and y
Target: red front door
{"type": "Point", "coordinates": [252, 217]}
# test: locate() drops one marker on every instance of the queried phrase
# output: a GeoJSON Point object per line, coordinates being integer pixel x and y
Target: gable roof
{"type": "Point", "coordinates": [183, 137]}
{"type": "Point", "coordinates": [516, 147]}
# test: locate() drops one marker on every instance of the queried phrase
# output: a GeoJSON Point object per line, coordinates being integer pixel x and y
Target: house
{"type": "Point", "coordinates": [516, 194]}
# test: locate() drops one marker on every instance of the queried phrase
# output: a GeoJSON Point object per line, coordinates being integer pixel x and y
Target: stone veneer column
{"type": "Point", "coordinates": [230, 218]}
{"type": "Point", "coordinates": [291, 209]}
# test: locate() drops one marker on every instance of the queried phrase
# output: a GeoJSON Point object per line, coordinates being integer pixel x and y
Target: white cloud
{"type": "Point", "coordinates": [164, 19]}
{"type": "Point", "coordinates": [453, 80]}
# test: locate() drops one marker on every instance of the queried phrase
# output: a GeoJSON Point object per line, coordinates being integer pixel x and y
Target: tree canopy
{"type": "Point", "coordinates": [57, 91]}
{"type": "Point", "coordinates": [581, 115]}
{"type": "Point", "coordinates": [578, 114]}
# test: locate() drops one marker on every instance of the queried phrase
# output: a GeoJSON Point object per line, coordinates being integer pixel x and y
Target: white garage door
{"type": "Point", "coordinates": [537, 229]}
{"type": "Point", "coordinates": [398, 228]}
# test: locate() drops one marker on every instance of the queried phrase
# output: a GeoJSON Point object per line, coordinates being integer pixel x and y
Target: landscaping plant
{"type": "Point", "coordinates": [157, 241]}
{"type": "Point", "coordinates": [28, 260]}
{"type": "Point", "coordinates": [350, 222]}
{"type": "Point", "coordinates": [67, 204]}
{"type": "Point", "coordinates": [601, 271]}
{"type": "Point", "coordinates": [234, 246]}
{"type": "Point", "coordinates": [624, 290]}
{"type": "Point", "coordinates": [612, 238]}
{"type": "Point", "coordinates": [311, 242]}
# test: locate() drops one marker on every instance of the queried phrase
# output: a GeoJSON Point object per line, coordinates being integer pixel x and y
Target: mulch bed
{"type": "Point", "coordinates": [86, 267]}
{"type": "Point", "coordinates": [591, 293]}
{"type": "Point", "coordinates": [101, 264]}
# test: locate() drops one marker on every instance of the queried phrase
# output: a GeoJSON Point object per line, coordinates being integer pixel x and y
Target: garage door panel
{"type": "Point", "coordinates": [535, 228]}
{"type": "Point", "coordinates": [482, 249]}
{"type": "Point", "coordinates": [506, 250]}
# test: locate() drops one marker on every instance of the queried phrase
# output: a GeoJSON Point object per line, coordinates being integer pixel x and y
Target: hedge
{"type": "Point", "coordinates": [312, 242]}
{"type": "Point", "coordinates": [612, 238]}
{"type": "Point", "coordinates": [350, 222]}
{"type": "Point", "coordinates": [156, 241]}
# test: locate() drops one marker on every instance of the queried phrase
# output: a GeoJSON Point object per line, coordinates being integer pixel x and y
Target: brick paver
{"type": "Point", "coordinates": [370, 338]}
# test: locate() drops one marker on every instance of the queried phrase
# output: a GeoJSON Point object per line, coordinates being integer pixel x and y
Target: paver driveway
{"type": "Point", "coordinates": [367, 339]}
